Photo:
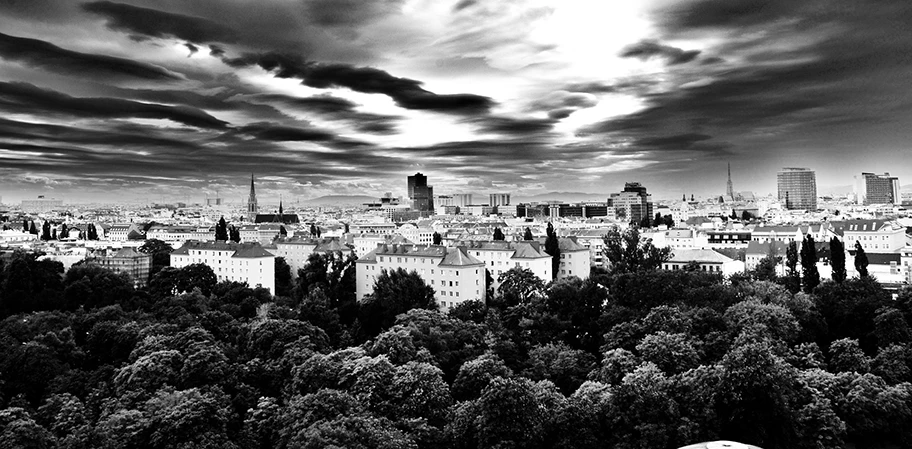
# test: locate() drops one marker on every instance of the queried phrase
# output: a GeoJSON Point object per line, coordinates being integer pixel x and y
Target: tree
{"type": "Point", "coordinates": [396, 291]}
{"type": "Point", "coordinates": [793, 279]}
{"type": "Point", "coordinates": [658, 220]}
{"type": "Point", "coordinates": [498, 234]}
{"type": "Point", "coordinates": [438, 239]}
{"type": "Point", "coordinates": [54, 233]}
{"type": "Point", "coordinates": [46, 231]}
{"type": "Point", "coordinates": [282, 231]}
{"type": "Point", "coordinates": [669, 221]}
{"type": "Point", "coordinates": [746, 216]}
{"type": "Point", "coordinates": [91, 233]}
{"type": "Point", "coordinates": [809, 264]}
{"type": "Point", "coordinates": [64, 231]}
{"type": "Point", "coordinates": [221, 230]}
{"type": "Point", "coordinates": [644, 223]}
{"type": "Point", "coordinates": [32, 229]}
{"type": "Point", "coordinates": [552, 247]}
{"type": "Point", "coordinates": [25, 226]}
{"type": "Point", "coordinates": [861, 261]}
{"type": "Point", "coordinates": [234, 234]}
{"type": "Point", "coordinates": [313, 230]}
{"type": "Point", "coordinates": [527, 235]}
{"type": "Point", "coordinates": [838, 260]}
{"type": "Point", "coordinates": [766, 267]}
{"type": "Point", "coordinates": [627, 253]}
{"type": "Point", "coordinates": [518, 286]}
{"type": "Point", "coordinates": [160, 252]}
{"type": "Point", "coordinates": [283, 284]}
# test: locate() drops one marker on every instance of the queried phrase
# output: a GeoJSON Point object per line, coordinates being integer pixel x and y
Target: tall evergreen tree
{"type": "Point", "coordinates": [221, 230]}
{"type": "Point", "coordinates": [809, 264]}
{"type": "Point", "coordinates": [282, 231]}
{"type": "Point", "coordinates": [313, 230]}
{"type": "Point", "coordinates": [54, 233]}
{"type": "Point", "coordinates": [792, 277]}
{"type": "Point", "coordinates": [25, 226]}
{"type": "Point", "coordinates": [91, 232]}
{"type": "Point", "coordinates": [438, 239]}
{"type": "Point", "coordinates": [32, 228]}
{"type": "Point", "coordinates": [64, 231]}
{"type": "Point", "coordinates": [861, 261]}
{"type": "Point", "coordinates": [552, 247]}
{"type": "Point", "coordinates": [658, 221]}
{"type": "Point", "coordinates": [528, 234]}
{"type": "Point", "coordinates": [838, 260]}
{"type": "Point", "coordinates": [498, 234]}
{"type": "Point", "coordinates": [234, 234]}
{"type": "Point", "coordinates": [46, 231]}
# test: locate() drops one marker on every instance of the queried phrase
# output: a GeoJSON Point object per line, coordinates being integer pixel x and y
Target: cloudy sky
{"type": "Point", "coordinates": [174, 99]}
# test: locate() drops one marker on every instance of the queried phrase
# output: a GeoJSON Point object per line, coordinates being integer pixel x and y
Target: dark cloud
{"type": "Point", "coordinates": [216, 50]}
{"type": "Point", "coordinates": [44, 55]}
{"type": "Point", "coordinates": [463, 4]}
{"type": "Point", "coordinates": [280, 133]}
{"type": "Point", "coordinates": [512, 126]}
{"type": "Point", "coordinates": [160, 24]}
{"type": "Point", "coordinates": [29, 99]}
{"type": "Point", "coordinates": [407, 93]}
{"type": "Point", "coordinates": [647, 49]}
{"type": "Point", "coordinates": [193, 48]}
{"type": "Point", "coordinates": [348, 13]}
{"type": "Point", "coordinates": [734, 13]}
{"type": "Point", "coordinates": [328, 107]}
{"type": "Point", "coordinates": [109, 136]}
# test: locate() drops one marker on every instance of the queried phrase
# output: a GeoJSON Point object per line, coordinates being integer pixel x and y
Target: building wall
{"type": "Point", "coordinates": [574, 263]}
{"type": "Point", "coordinates": [797, 188]}
{"type": "Point", "coordinates": [452, 285]}
{"type": "Point", "coordinates": [886, 241]}
{"type": "Point", "coordinates": [136, 267]}
{"type": "Point", "coordinates": [255, 271]}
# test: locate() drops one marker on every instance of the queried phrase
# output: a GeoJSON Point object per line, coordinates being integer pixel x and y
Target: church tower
{"type": "Point", "coordinates": [729, 190]}
{"type": "Point", "coordinates": [252, 208]}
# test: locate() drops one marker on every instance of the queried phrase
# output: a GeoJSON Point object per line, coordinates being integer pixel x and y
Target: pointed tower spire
{"type": "Point", "coordinates": [729, 190]}
{"type": "Point", "coordinates": [252, 208]}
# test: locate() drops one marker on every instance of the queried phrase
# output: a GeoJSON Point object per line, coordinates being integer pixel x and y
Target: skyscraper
{"type": "Point", "coordinates": [633, 204]}
{"type": "Point", "coordinates": [420, 194]}
{"type": "Point", "coordinates": [877, 189]}
{"type": "Point", "coordinates": [252, 207]}
{"type": "Point", "coordinates": [729, 189]}
{"type": "Point", "coordinates": [797, 188]}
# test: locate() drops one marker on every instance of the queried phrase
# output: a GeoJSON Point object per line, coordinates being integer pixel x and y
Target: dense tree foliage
{"type": "Point", "coordinates": [552, 247]}
{"type": "Point", "coordinates": [637, 358]}
{"type": "Point", "coordinates": [627, 252]}
{"type": "Point", "coordinates": [160, 252]}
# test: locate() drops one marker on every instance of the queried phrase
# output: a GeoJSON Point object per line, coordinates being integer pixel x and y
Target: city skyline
{"type": "Point", "coordinates": [105, 101]}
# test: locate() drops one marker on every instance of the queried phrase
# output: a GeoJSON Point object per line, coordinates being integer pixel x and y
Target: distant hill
{"type": "Point", "coordinates": [343, 200]}
{"type": "Point", "coordinates": [570, 197]}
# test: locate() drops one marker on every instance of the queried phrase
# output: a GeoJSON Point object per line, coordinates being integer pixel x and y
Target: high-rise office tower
{"type": "Point", "coordinates": [797, 188]}
{"type": "Point", "coordinates": [877, 189]}
{"type": "Point", "coordinates": [633, 204]}
{"type": "Point", "coordinates": [420, 194]}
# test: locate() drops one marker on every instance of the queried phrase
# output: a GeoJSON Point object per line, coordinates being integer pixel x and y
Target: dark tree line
{"type": "Point", "coordinates": [632, 357]}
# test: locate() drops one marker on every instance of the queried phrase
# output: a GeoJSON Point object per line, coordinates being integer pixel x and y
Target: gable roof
{"type": "Point", "coordinates": [698, 255]}
{"type": "Point", "coordinates": [458, 257]}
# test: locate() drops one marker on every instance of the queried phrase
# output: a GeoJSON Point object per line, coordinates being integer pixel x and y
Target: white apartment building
{"type": "Point", "coordinates": [297, 250]}
{"type": "Point", "coordinates": [574, 259]}
{"type": "Point", "coordinates": [177, 235]}
{"type": "Point", "coordinates": [500, 256]}
{"type": "Point", "coordinates": [875, 236]}
{"type": "Point", "coordinates": [454, 275]}
{"type": "Point", "coordinates": [239, 262]}
{"type": "Point", "coordinates": [708, 260]}
{"type": "Point", "coordinates": [366, 243]}
{"type": "Point", "coordinates": [421, 236]}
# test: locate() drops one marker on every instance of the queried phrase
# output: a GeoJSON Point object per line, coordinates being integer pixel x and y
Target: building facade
{"type": "Point", "coordinates": [238, 262]}
{"type": "Point", "coordinates": [797, 188]}
{"type": "Point", "coordinates": [420, 193]}
{"type": "Point", "coordinates": [454, 275]}
{"type": "Point", "coordinates": [633, 204]}
{"type": "Point", "coordinates": [128, 260]}
{"type": "Point", "coordinates": [877, 189]}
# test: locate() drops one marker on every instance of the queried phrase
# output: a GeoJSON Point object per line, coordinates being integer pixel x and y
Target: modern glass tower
{"type": "Point", "coordinates": [797, 188]}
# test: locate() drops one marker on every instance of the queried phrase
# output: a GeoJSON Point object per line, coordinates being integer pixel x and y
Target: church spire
{"type": "Point", "coordinates": [252, 208]}
{"type": "Point", "coordinates": [730, 190]}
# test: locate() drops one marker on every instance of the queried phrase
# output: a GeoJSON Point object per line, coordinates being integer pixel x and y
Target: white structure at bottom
{"type": "Point", "coordinates": [239, 262]}
{"type": "Point", "coordinates": [707, 259]}
{"type": "Point", "coordinates": [454, 275]}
